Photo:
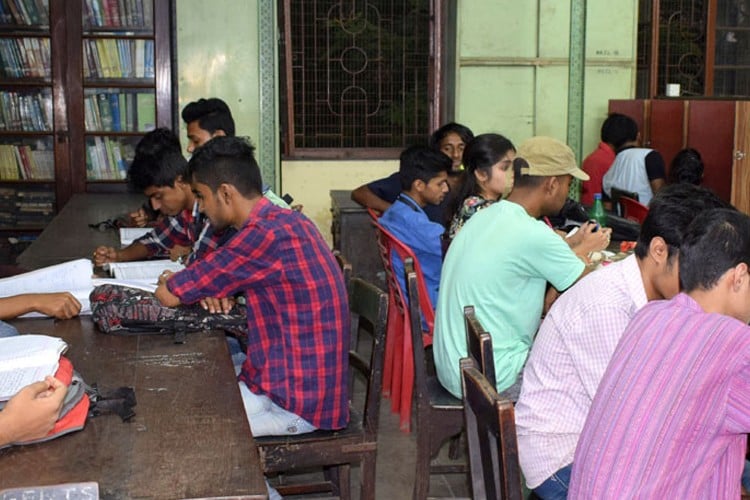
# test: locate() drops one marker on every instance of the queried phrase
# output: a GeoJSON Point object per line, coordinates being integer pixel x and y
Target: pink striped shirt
{"type": "Point", "coordinates": [670, 417]}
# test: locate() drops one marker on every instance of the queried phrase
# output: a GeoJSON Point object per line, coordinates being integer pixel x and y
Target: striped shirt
{"type": "Point", "coordinates": [670, 417]}
{"type": "Point", "coordinates": [187, 229]}
{"type": "Point", "coordinates": [297, 312]}
{"type": "Point", "coordinates": [568, 358]}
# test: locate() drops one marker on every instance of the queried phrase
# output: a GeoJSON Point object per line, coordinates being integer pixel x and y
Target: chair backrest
{"type": "Point", "coordinates": [491, 435]}
{"type": "Point", "coordinates": [417, 340]}
{"type": "Point", "coordinates": [396, 248]}
{"type": "Point", "coordinates": [346, 269]}
{"type": "Point", "coordinates": [615, 195]}
{"type": "Point", "coordinates": [633, 209]}
{"type": "Point", "coordinates": [479, 345]}
{"type": "Point", "coordinates": [369, 310]}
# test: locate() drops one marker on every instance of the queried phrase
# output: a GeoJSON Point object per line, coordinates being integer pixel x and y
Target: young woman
{"type": "Point", "coordinates": [451, 139]}
{"type": "Point", "coordinates": [488, 177]}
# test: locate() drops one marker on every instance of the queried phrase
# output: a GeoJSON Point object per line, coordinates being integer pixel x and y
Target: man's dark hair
{"type": "Point", "coordinates": [462, 131]}
{"type": "Point", "coordinates": [421, 163]}
{"type": "Point", "coordinates": [521, 180]}
{"type": "Point", "coordinates": [687, 166]}
{"type": "Point", "coordinates": [212, 114]}
{"type": "Point", "coordinates": [715, 241]}
{"type": "Point", "coordinates": [227, 160]}
{"type": "Point", "coordinates": [618, 129]}
{"type": "Point", "coordinates": [670, 213]}
{"type": "Point", "coordinates": [158, 161]}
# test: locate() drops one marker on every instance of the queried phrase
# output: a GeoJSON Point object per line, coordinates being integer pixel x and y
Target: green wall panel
{"type": "Point", "coordinates": [493, 32]}
{"type": "Point", "coordinates": [554, 24]}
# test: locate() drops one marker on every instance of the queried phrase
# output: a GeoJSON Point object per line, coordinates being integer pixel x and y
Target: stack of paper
{"type": "Point", "coordinates": [25, 359]}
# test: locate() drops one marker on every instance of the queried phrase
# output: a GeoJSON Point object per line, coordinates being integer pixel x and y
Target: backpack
{"type": "Point", "coordinates": [121, 310]}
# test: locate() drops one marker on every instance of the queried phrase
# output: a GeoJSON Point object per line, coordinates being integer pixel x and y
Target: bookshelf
{"type": "Point", "coordinates": [81, 81]}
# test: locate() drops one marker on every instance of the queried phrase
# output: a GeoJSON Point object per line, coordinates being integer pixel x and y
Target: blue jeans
{"type": "Point", "coordinates": [556, 486]}
{"type": "Point", "coordinates": [7, 330]}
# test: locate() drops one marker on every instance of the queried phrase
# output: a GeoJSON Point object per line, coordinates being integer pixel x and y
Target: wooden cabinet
{"type": "Point", "coordinates": [716, 128]}
{"type": "Point", "coordinates": [81, 81]}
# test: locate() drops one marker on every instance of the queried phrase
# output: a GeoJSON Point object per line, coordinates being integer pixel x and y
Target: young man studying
{"type": "Point", "coordinates": [162, 176]}
{"type": "Point", "coordinates": [671, 415]}
{"type": "Point", "coordinates": [294, 379]}
{"type": "Point", "coordinates": [424, 181]}
{"type": "Point", "coordinates": [581, 330]}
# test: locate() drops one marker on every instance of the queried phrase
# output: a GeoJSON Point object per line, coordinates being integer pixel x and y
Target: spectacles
{"type": "Point", "coordinates": [106, 225]}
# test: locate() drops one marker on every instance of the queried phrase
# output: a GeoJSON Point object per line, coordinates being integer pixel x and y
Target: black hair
{"type": "Point", "coordinates": [480, 154]}
{"type": "Point", "coordinates": [716, 241]}
{"type": "Point", "coordinates": [227, 160]}
{"type": "Point", "coordinates": [158, 161]}
{"type": "Point", "coordinates": [619, 129]}
{"type": "Point", "coordinates": [462, 131]}
{"type": "Point", "coordinates": [212, 114]}
{"type": "Point", "coordinates": [687, 166]}
{"type": "Point", "coordinates": [522, 180]}
{"type": "Point", "coordinates": [670, 212]}
{"type": "Point", "coordinates": [421, 163]}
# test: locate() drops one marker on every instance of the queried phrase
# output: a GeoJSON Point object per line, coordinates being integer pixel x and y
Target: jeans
{"type": "Point", "coordinates": [556, 486]}
{"type": "Point", "coordinates": [7, 330]}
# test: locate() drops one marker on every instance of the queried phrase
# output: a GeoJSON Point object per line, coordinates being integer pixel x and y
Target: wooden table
{"type": "Point", "coordinates": [189, 439]}
{"type": "Point", "coordinates": [69, 237]}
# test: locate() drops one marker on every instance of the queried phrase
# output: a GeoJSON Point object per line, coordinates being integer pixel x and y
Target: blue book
{"type": "Point", "coordinates": [114, 104]}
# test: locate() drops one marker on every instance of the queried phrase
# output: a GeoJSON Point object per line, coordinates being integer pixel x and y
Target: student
{"type": "Point", "coordinates": [687, 166]}
{"type": "Point", "coordinates": [488, 161]}
{"type": "Point", "coordinates": [209, 118]}
{"type": "Point", "coordinates": [639, 170]}
{"type": "Point", "coordinates": [424, 181]}
{"type": "Point", "coordinates": [671, 415]}
{"type": "Point", "coordinates": [294, 379]}
{"type": "Point", "coordinates": [581, 330]}
{"type": "Point", "coordinates": [501, 263]}
{"type": "Point", "coordinates": [450, 139]}
{"type": "Point", "coordinates": [31, 414]}
{"type": "Point", "coordinates": [613, 134]}
{"type": "Point", "coordinates": [162, 177]}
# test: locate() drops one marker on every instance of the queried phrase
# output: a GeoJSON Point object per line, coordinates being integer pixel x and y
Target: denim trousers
{"type": "Point", "coordinates": [556, 486]}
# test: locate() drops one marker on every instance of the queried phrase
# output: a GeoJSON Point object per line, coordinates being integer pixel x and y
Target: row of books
{"type": "Point", "coordinates": [25, 58]}
{"type": "Point", "coordinates": [120, 111]}
{"type": "Point", "coordinates": [118, 13]}
{"type": "Point", "coordinates": [22, 162]}
{"type": "Point", "coordinates": [24, 12]}
{"type": "Point", "coordinates": [27, 111]}
{"type": "Point", "coordinates": [118, 58]}
{"type": "Point", "coordinates": [27, 208]}
{"type": "Point", "coordinates": [107, 158]}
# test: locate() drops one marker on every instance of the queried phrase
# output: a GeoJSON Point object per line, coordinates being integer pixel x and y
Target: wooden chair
{"type": "Point", "coordinates": [491, 434]}
{"type": "Point", "coordinates": [633, 209]}
{"type": "Point", "coordinates": [335, 451]}
{"type": "Point", "coordinates": [479, 343]}
{"type": "Point", "coordinates": [398, 372]}
{"type": "Point", "coordinates": [439, 415]}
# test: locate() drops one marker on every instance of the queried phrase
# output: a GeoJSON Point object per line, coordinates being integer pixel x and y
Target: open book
{"type": "Point", "coordinates": [142, 269]}
{"type": "Point", "coordinates": [129, 234]}
{"type": "Point", "coordinates": [25, 359]}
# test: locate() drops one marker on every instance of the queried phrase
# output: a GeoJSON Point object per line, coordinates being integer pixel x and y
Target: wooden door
{"type": "Point", "coordinates": [666, 128]}
{"type": "Point", "coordinates": [711, 130]}
{"type": "Point", "coordinates": [741, 157]}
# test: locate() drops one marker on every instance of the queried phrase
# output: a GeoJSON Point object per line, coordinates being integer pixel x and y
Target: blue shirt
{"type": "Point", "coordinates": [389, 188]}
{"type": "Point", "coordinates": [407, 221]}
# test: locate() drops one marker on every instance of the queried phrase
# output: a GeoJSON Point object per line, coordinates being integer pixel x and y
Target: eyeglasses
{"type": "Point", "coordinates": [106, 225]}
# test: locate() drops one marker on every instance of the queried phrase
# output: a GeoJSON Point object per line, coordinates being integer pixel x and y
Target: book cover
{"type": "Point", "coordinates": [114, 105]}
{"type": "Point", "coordinates": [146, 111]}
{"type": "Point", "coordinates": [105, 111]}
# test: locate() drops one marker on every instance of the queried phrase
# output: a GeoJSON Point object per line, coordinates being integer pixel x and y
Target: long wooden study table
{"type": "Point", "coordinates": [189, 438]}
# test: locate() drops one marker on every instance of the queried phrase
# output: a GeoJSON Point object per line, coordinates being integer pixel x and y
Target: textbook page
{"type": "Point", "coordinates": [147, 284]}
{"type": "Point", "coordinates": [25, 359]}
{"type": "Point", "coordinates": [74, 276]}
{"type": "Point", "coordinates": [129, 234]}
{"type": "Point", "coordinates": [143, 270]}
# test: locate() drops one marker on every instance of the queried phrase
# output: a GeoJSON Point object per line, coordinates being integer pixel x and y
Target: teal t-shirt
{"type": "Point", "coordinates": [500, 262]}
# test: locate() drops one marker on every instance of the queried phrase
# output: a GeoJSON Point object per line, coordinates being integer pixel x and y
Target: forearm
{"type": "Point", "coordinates": [365, 197]}
{"type": "Point", "coordinates": [135, 251]}
{"type": "Point", "coordinates": [165, 296]}
{"type": "Point", "coordinates": [12, 307]}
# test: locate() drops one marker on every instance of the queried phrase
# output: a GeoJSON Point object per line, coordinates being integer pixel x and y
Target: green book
{"type": "Point", "coordinates": [146, 111]}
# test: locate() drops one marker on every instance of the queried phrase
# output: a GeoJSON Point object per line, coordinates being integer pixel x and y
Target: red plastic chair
{"type": "Point", "coordinates": [398, 372]}
{"type": "Point", "coordinates": [633, 210]}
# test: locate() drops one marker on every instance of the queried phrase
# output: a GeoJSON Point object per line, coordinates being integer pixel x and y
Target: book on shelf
{"type": "Point", "coordinates": [146, 111]}
{"type": "Point", "coordinates": [105, 111]}
{"type": "Point", "coordinates": [26, 359]}
{"type": "Point", "coordinates": [114, 105]}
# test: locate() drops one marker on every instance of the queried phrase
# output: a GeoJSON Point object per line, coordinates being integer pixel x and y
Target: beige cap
{"type": "Point", "coordinates": [547, 157]}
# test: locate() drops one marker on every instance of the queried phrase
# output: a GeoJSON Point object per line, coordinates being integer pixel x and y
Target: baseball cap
{"type": "Point", "coordinates": [547, 157]}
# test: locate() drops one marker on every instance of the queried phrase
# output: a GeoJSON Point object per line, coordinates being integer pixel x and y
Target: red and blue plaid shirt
{"type": "Point", "coordinates": [297, 311]}
{"type": "Point", "coordinates": [188, 229]}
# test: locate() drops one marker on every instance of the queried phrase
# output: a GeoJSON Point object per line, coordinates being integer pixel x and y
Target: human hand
{"type": "Point", "coordinates": [139, 218]}
{"type": "Point", "coordinates": [103, 255]}
{"type": "Point", "coordinates": [164, 276]}
{"type": "Point", "coordinates": [593, 238]}
{"type": "Point", "coordinates": [178, 252]}
{"type": "Point", "coordinates": [62, 305]}
{"type": "Point", "coordinates": [217, 305]}
{"type": "Point", "coordinates": [32, 412]}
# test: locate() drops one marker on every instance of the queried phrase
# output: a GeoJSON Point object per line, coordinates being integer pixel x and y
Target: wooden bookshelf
{"type": "Point", "coordinates": [81, 81]}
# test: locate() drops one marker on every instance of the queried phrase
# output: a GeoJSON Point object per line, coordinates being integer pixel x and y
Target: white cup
{"type": "Point", "coordinates": [673, 90]}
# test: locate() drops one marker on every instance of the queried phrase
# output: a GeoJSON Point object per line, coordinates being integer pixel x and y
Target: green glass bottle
{"type": "Point", "coordinates": [597, 212]}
